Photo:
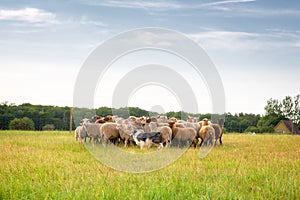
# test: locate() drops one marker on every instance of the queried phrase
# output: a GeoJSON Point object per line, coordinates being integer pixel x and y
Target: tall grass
{"type": "Point", "coordinates": [51, 165]}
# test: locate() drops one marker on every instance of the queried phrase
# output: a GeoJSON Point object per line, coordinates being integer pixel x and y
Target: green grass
{"type": "Point", "coordinates": [51, 165]}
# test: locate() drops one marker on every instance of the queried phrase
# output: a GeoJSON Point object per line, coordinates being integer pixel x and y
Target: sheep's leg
{"type": "Point", "coordinates": [160, 145]}
{"type": "Point", "coordinates": [201, 142]}
{"type": "Point", "coordinates": [125, 145]}
{"type": "Point", "coordinates": [93, 141]}
{"type": "Point", "coordinates": [167, 144]}
{"type": "Point", "coordinates": [220, 140]}
{"type": "Point", "coordinates": [142, 143]}
{"type": "Point", "coordinates": [104, 140]}
{"type": "Point", "coordinates": [196, 142]}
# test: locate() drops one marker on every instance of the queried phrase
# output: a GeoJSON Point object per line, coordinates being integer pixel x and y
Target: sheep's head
{"type": "Point", "coordinates": [100, 120]}
{"type": "Point", "coordinates": [85, 121]}
{"type": "Point", "coordinates": [173, 119]}
{"type": "Point", "coordinates": [171, 124]}
{"type": "Point", "coordinates": [148, 120]}
{"type": "Point", "coordinates": [205, 122]}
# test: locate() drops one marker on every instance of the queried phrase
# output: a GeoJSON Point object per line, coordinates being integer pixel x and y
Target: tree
{"type": "Point", "coordinates": [244, 124]}
{"type": "Point", "coordinates": [104, 111]}
{"type": "Point", "coordinates": [287, 107]}
{"type": "Point", "coordinates": [21, 124]}
{"type": "Point", "coordinates": [297, 109]}
{"type": "Point", "coordinates": [273, 107]}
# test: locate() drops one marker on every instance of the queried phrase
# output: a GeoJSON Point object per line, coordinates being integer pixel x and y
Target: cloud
{"type": "Point", "coordinates": [31, 15]}
{"type": "Point", "coordinates": [86, 21]}
{"type": "Point", "coordinates": [226, 2]}
{"type": "Point", "coordinates": [154, 5]}
{"type": "Point", "coordinates": [297, 44]}
{"type": "Point", "coordinates": [235, 41]}
{"type": "Point", "coordinates": [268, 12]}
{"type": "Point", "coordinates": [159, 5]}
{"type": "Point", "coordinates": [224, 39]}
{"type": "Point", "coordinates": [230, 7]}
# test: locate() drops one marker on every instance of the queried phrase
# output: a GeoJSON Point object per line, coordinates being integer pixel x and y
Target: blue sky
{"type": "Point", "coordinates": [255, 44]}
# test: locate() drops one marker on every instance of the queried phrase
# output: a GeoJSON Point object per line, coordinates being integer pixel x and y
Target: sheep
{"type": "Point", "coordinates": [162, 119]}
{"type": "Point", "coordinates": [206, 133]}
{"type": "Point", "coordinates": [80, 134]}
{"type": "Point", "coordinates": [196, 126]}
{"type": "Point", "coordinates": [109, 118]}
{"type": "Point", "coordinates": [218, 133]}
{"type": "Point", "coordinates": [146, 125]}
{"type": "Point", "coordinates": [125, 131]}
{"type": "Point", "coordinates": [166, 131]}
{"type": "Point", "coordinates": [192, 119]}
{"type": "Point", "coordinates": [109, 131]}
{"type": "Point", "coordinates": [180, 125]}
{"type": "Point", "coordinates": [182, 136]}
{"type": "Point", "coordinates": [92, 130]}
{"type": "Point", "coordinates": [103, 120]}
{"type": "Point", "coordinates": [77, 131]}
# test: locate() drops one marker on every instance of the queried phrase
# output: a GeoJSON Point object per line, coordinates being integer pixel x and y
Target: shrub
{"type": "Point", "coordinates": [21, 124]}
{"type": "Point", "coordinates": [266, 129]}
{"type": "Point", "coordinates": [252, 129]}
{"type": "Point", "coordinates": [48, 127]}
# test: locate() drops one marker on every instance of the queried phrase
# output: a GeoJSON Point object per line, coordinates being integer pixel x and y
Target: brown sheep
{"type": "Point", "coordinates": [206, 133]}
{"type": "Point", "coordinates": [108, 132]}
{"type": "Point", "coordinates": [166, 133]}
{"type": "Point", "coordinates": [162, 119]}
{"type": "Point", "coordinates": [192, 119]}
{"type": "Point", "coordinates": [125, 131]}
{"type": "Point", "coordinates": [103, 120]}
{"type": "Point", "coordinates": [182, 136]}
{"type": "Point", "coordinates": [218, 132]}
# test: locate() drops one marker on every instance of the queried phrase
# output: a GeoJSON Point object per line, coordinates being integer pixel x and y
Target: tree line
{"type": "Point", "coordinates": [39, 117]}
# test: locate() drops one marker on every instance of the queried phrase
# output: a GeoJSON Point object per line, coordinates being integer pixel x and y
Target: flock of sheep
{"type": "Point", "coordinates": [145, 132]}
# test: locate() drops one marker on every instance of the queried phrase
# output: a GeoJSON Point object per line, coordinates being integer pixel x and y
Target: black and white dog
{"type": "Point", "coordinates": [147, 139]}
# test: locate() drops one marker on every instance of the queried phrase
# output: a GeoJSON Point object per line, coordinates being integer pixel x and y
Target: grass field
{"type": "Point", "coordinates": [51, 165]}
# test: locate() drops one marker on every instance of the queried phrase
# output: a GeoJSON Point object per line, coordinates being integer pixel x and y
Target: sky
{"type": "Point", "coordinates": [254, 45]}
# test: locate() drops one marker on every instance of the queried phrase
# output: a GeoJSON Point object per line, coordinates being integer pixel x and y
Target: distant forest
{"type": "Point", "coordinates": [40, 117]}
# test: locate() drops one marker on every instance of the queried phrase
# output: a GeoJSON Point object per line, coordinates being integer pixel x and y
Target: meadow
{"type": "Point", "coordinates": [52, 165]}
